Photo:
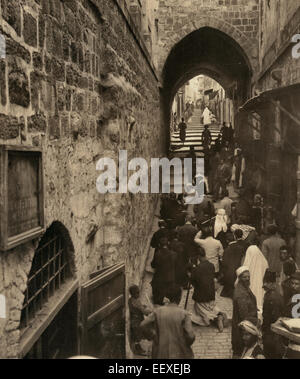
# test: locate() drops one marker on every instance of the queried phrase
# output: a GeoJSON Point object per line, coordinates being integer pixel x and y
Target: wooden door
{"type": "Point", "coordinates": [103, 314]}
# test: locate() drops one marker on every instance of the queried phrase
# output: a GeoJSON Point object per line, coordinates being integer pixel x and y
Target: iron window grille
{"type": "Point", "coordinates": [50, 269]}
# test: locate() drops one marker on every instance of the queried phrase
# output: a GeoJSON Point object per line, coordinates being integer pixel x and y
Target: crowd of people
{"type": "Point", "coordinates": [232, 244]}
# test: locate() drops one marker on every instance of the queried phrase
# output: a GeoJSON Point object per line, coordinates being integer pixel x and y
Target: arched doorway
{"type": "Point", "coordinates": [49, 314]}
{"type": "Point", "coordinates": [209, 52]}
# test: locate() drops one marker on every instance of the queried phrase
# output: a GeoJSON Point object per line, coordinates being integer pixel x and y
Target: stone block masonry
{"type": "Point", "coordinates": [73, 75]}
{"type": "Point", "coordinates": [238, 19]}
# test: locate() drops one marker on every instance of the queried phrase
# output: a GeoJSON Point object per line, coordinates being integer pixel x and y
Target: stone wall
{"type": "Point", "coordinates": [73, 80]}
{"type": "Point", "coordinates": [278, 24]}
{"type": "Point", "coordinates": [238, 19]}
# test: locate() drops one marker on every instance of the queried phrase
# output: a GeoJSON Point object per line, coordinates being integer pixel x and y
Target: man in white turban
{"type": "Point", "coordinates": [244, 308]}
{"type": "Point", "coordinates": [251, 338]}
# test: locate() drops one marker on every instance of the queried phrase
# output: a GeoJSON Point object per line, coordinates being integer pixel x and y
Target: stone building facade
{"type": "Point", "coordinates": [274, 109]}
{"type": "Point", "coordinates": [77, 81]}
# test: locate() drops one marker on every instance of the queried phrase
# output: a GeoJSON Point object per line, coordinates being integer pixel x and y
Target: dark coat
{"type": "Point", "coordinates": [181, 262]}
{"type": "Point", "coordinates": [170, 209]}
{"type": "Point", "coordinates": [273, 308]}
{"type": "Point", "coordinates": [203, 282]}
{"type": "Point", "coordinates": [244, 308]}
{"type": "Point", "coordinates": [156, 236]}
{"type": "Point", "coordinates": [232, 259]}
{"type": "Point", "coordinates": [164, 263]}
{"type": "Point", "coordinates": [187, 234]}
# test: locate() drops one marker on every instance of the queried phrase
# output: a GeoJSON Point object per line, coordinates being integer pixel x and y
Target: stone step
{"type": "Point", "coordinates": [192, 135]}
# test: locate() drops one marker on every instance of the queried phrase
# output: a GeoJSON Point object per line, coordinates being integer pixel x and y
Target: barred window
{"type": "Point", "coordinates": [50, 269]}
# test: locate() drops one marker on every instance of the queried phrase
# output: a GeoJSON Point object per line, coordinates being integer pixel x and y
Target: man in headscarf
{"type": "Point", "coordinates": [251, 337]}
{"type": "Point", "coordinates": [220, 227]}
{"type": "Point", "coordinates": [257, 264]}
{"type": "Point", "coordinates": [249, 232]}
{"type": "Point", "coordinates": [272, 309]}
{"type": "Point", "coordinates": [244, 308]}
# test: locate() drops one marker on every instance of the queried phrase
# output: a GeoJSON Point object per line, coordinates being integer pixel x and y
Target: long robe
{"type": "Point", "coordinates": [257, 264]}
{"type": "Point", "coordinates": [244, 308]}
{"type": "Point", "coordinates": [173, 333]}
{"type": "Point", "coordinates": [232, 260]}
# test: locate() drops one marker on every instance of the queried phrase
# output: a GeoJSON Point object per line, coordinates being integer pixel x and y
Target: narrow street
{"type": "Point", "coordinates": [209, 342]}
{"type": "Point", "coordinates": [105, 108]}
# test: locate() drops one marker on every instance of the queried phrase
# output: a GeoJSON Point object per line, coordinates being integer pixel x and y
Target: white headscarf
{"type": "Point", "coordinates": [221, 222]}
{"type": "Point", "coordinates": [241, 270]}
{"type": "Point", "coordinates": [258, 265]}
{"type": "Point", "coordinates": [250, 328]}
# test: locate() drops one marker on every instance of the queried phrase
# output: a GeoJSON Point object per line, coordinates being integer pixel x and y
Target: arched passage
{"type": "Point", "coordinates": [211, 52]}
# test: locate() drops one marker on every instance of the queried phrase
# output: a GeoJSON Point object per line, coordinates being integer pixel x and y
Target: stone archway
{"type": "Point", "coordinates": [185, 26]}
{"type": "Point", "coordinates": [209, 51]}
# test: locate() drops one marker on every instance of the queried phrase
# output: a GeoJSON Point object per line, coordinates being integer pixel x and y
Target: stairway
{"type": "Point", "coordinates": [193, 137]}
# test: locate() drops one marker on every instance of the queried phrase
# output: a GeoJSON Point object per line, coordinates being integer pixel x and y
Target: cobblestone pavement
{"type": "Point", "coordinates": [209, 343]}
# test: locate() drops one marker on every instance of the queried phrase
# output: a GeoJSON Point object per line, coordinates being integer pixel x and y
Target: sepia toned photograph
{"type": "Point", "coordinates": [149, 181]}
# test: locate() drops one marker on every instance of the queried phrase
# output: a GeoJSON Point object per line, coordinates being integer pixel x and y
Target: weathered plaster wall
{"type": "Point", "coordinates": [73, 77]}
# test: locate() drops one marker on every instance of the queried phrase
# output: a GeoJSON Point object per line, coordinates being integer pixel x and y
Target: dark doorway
{"type": "Point", "coordinates": [59, 340]}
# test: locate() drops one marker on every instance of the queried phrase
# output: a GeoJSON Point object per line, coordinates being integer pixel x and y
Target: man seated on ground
{"type": "Point", "coordinates": [137, 312]}
{"type": "Point", "coordinates": [203, 280]}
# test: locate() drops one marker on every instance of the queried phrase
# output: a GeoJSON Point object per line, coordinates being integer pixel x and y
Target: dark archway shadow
{"type": "Point", "coordinates": [212, 53]}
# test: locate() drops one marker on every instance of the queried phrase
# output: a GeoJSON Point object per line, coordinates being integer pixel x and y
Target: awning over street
{"type": "Point", "coordinates": [271, 96]}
